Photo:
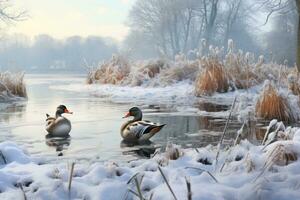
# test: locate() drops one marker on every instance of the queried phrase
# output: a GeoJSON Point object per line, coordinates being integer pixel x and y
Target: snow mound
{"type": "Point", "coordinates": [10, 152]}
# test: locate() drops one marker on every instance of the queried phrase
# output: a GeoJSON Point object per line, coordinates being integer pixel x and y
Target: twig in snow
{"type": "Point", "coordinates": [210, 174]}
{"type": "Point", "coordinates": [71, 176]}
{"type": "Point", "coordinates": [226, 126]}
{"type": "Point", "coordinates": [189, 189]}
{"type": "Point", "coordinates": [165, 179]}
{"type": "Point", "coordinates": [24, 194]}
{"type": "Point", "coordinates": [151, 196]}
{"type": "Point", "coordinates": [133, 192]}
{"type": "Point", "coordinates": [138, 187]}
{"type": "Point", "coordinates": [3, 157]}
{"type": "Point", "coordinates": [132, 178]}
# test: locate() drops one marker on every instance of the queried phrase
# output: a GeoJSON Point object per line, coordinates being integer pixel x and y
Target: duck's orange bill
{"type": "Point", "coordinates": [127, 115]}
{"type": "Point", "coordinates": [67, 111]}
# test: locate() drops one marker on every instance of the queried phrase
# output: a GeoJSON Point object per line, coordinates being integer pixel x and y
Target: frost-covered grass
{"type": "Point", "coordinates": [243, 171]}
{"type": "Point", "coordinates": [271, 104]}
{"type": "Point", "coordinates": [12, 85]}
{"type": "Point", "coordinates": [212, 79]}
{"type": "Point", "coordinates": [156, 73]}
{"type": "Point", "coordinates": [214, 71]}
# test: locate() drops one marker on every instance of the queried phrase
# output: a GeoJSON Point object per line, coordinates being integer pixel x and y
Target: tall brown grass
{"type": "Point", "coordinates": [111, 72]}
{"type": "Point", "coordinates": [153, 68]}
{"type": "Point", "coordinates": [159, 72]}
{"type": "Point", "coordinates": [240, 69]}
{"type": "Point", "coordinates": [216, 71]}
{"type": "Point", "coordinates": [271, 105]}
{"type": "Point", "coordinates": [12, 84]}
{"type": "Point", "coordinates": [213, 79]}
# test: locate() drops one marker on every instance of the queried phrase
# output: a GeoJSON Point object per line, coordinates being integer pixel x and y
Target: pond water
{"type": "Point", "coordinates": [96, 124]}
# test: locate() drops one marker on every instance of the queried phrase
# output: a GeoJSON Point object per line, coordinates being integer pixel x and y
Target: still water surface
{"type": "Point", "coordinates": [96, 123]}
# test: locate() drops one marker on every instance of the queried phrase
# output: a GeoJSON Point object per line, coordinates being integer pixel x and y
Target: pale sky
{"type": "Point", "coordinates": [63, 18]}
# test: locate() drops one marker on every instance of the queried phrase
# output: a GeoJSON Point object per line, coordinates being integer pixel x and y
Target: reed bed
{"type": "Point", "coordinates": [214, 71]}
{"type": "Point", "coordinates": [272, 105]}
{"type": "Point", "coordinates": [119, 71]}
{"type": "Point", "coordinates": [213, 78]}
{"type": "Point", "coordinates": [12, 84]}
{"type": "Point", "coordinates": [111, 72]}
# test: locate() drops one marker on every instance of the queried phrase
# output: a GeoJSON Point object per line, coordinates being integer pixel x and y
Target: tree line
{"type": "Point", "coordinates": [168, 27]}
{"type": "Point", "coordinates": [45, 53]}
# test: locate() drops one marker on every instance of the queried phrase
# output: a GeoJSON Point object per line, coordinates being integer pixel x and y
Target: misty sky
{"type": "Point", "coordinates": [63, 18]}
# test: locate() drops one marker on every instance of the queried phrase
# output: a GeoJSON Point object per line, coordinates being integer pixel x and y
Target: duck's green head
{"type": "Point", "coordinates": [135, 112]}
{"type": "Point", "coordinates": [62, 109]}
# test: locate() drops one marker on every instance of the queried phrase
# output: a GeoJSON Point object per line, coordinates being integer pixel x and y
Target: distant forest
{"type": "Point", "coordinates": [44, 53]}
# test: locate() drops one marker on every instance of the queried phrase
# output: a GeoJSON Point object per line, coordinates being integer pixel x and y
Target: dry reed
{"type": "Point", "coordinates": [271, 105]}
{"type": "Point", "coordinates": [213, 79]}
{"type": "Point", "coordinates": [279, 155]}
{"type": "Point", "coordinates": [111, 72]}
{"type": "Point", "coordinates": [12, 84]}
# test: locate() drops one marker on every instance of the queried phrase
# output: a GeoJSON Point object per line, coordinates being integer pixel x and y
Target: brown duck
{"type": "Point", "coordinates": [136, 129]}
{"type": "Point", "coordinates": [59, 126]}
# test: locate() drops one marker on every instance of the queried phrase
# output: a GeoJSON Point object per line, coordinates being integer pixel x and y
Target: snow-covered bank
{"type": "Point", "coordinates": [244, 171]}
{"type": "Point", "coordinates": [12, 88]}
{"type": "Point", "coordinates": [179, 93]}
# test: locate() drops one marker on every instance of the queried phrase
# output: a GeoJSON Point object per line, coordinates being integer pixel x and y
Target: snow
{"type": "Point", "coordinates": [244, 171]}
{"type": "Point", "coordinates": [179, 93]}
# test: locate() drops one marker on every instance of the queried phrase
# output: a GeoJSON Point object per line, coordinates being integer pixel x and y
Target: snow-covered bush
{"type": "Point", "coordinates": [12, 85]}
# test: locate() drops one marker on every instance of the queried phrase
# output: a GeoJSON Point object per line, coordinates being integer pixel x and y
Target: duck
{"type": "Point", "coordinates": [136, 130]}
{"type": "Point", "coordinates": [59, 126]}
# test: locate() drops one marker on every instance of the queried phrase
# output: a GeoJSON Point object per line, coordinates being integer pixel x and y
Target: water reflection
{"type": "Point", "coordinates": [59, 143]}
{"type": "Point", "coordinates": [211, 107]}
{"type": "Point", "coordinates": [143, 149]}
{"type": "Point", "coordinates": [13, 112]}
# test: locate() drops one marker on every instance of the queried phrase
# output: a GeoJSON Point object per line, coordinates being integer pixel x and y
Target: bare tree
{"type": "Point", "coordinates": [8, 14]}
{"type": "Point", "coordinates": [284, 7]}
{"type": "Point", "coordinates": [233, 7]}
{"type": "Point", "coordinates": [177, 26]}
{"type": "Point", "coordinates": [210, 8]}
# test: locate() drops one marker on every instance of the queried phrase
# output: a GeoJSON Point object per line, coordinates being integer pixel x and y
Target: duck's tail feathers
{"type": "Point", "coordinates": [47, 115]}
{"type": "Point", "coordinates": [156, 129]}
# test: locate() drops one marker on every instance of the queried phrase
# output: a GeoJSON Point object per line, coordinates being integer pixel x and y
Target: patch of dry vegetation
{"type": "Point", "coordinates": [215, 71]}
{"type": "Point", "coordinates": [120, 71]}
{"type": "Point", "coordinates": [213, 79]}
{"type": "Point", "coordinates": [240, 68]}
{"type": "Point", "coordinates": [111, 72]}
{"type": "Point", "coordinates": [12, 84]}
{"type": "Point", "coordinates": [272, 105]}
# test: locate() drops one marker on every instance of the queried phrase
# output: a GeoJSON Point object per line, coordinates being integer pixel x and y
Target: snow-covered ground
{"type": "Point", "coordinates": [179, 93]}
{"type": "Point", "coordinates": [244, 171]}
